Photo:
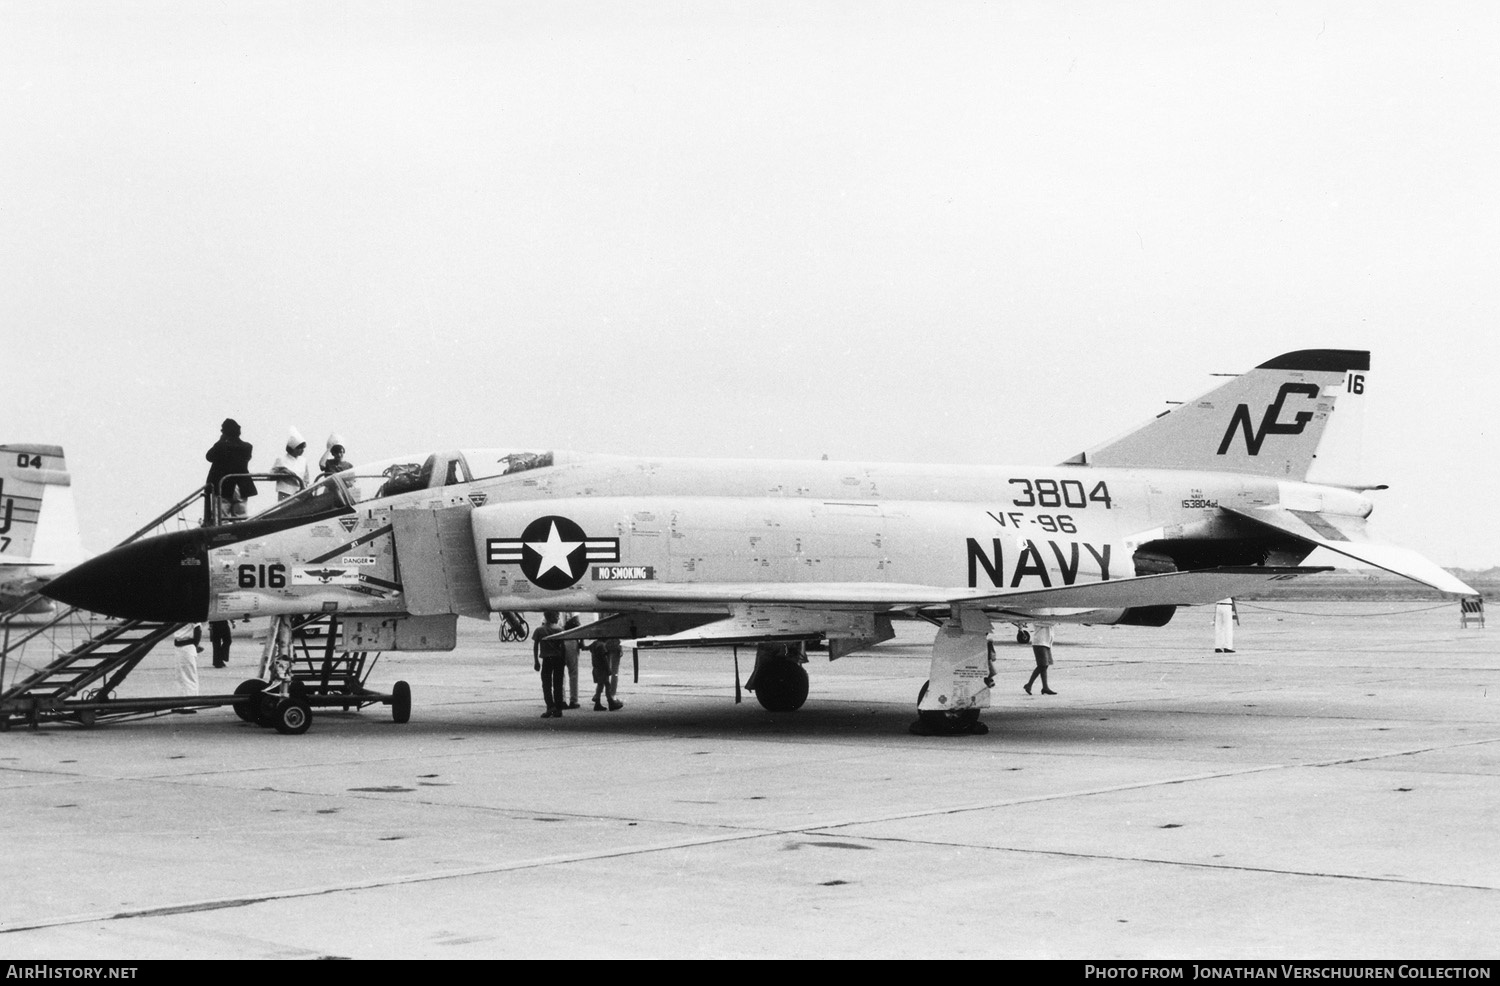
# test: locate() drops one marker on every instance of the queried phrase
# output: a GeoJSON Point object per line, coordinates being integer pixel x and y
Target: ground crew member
{"type": "Point", "coordinates": [605, 658]}
{"type": "Point", "coordinates": [547, 657]}
{"type": "Point", "coordinates": [219, 636]}
{"type": "Point", "coordinates": [186, 640]}
{"type": "Point", "coordinates": [570, 660]}
{"type": "Point", "coordinates": [1225, 617]}
{"type": "Point", "coordinates": [1041, 646]}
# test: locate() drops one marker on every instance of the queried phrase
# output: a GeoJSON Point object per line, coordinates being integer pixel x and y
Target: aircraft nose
{"type": "Point", "coordinates": [159, 578]}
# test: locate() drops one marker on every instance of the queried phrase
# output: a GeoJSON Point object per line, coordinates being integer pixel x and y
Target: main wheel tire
{"type": "Point", "coordinates": [1023, 636]}
{"type": "Point", "coordinates": [962, 722]}
{"type": "Point", "coordinates": [292, 717]}
{"type": "Point", "coordinates": [252, 687]}
{"type": "Point", "coordinates": [781, 686]}
{"type": "Point", "coordinates": [401, 701]}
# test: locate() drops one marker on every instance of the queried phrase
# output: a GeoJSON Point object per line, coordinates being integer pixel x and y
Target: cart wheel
{"type": "Point", "coordinates": [246, 709]}
{"type": "Point", "coordinates": [292, 716]}
{"type": "Point", "coordinates": [401, 701]}
{"type": "Point", "coordinates": [86, 718]}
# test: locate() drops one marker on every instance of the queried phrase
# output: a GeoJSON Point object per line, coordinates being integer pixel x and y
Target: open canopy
{"type": "Point", "coordinates": [403, 474]}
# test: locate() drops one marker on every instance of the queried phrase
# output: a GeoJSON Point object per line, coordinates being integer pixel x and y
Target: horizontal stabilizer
{"type": "Point", "coordinates": [1171, 589]}
{"type": "Point", "coordinates": [1348, 537]}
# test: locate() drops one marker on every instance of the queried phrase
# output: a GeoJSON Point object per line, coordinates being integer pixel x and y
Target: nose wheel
{"type": "Point", "coordinates": [291, 717]}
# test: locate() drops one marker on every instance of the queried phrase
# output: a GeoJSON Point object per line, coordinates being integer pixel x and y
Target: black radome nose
{"type": "Point", "coordinates": [159, 578]}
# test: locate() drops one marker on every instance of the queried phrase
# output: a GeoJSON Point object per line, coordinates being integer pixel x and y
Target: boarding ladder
{"type": "Point", "coordinates": [77, 683]}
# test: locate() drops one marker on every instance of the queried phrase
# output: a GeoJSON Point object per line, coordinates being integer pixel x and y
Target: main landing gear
{"type": "Point", "coordinates": [779, 679]}
{"type": "Point", "coordinates": [958, 722]}
{"type": "Point", "coordinates": [958, 684]}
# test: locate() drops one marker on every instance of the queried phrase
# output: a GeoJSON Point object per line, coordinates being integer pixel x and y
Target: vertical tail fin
{"type": "Point", "coordinates": [38, 521]}
{"type": "Point", "coordinates": [1276, 420]}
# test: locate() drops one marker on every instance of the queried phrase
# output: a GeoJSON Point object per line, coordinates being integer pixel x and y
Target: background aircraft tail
{"type": "Point", "coordinates": [38, 519]}
{"type": "Point", "coordinates": [1276, 420]}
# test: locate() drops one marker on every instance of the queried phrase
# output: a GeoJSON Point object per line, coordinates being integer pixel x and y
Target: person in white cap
{"type": "Point", "coordinates": [291, 469]}
{"type": "Point", "coordinates": [333, 460]}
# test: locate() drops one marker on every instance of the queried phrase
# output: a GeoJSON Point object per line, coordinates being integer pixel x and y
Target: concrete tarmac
{"type": "Point", "coordinates": [1328, 791]}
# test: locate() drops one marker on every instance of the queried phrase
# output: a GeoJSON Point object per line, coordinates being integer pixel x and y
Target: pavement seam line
{"type": "Point", "coordinates": [1141, 785]}
{"type": "Point", "coordinates": [229, 902]}
{"type": "Point", "coordinates": [1184, 863]}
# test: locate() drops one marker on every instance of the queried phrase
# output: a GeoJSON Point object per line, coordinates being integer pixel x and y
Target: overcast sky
{"type": "Point", "coordinates": [928, 231]}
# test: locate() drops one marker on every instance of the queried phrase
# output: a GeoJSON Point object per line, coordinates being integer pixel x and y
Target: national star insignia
{"type": "Point", "coordinates": [554, 552]}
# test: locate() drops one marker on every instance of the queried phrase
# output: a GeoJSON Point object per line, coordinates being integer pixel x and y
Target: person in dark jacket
{"type": "Point", "coordinates": [547, 657]}
{"type": "Point", "coordinates": [230, 458]}
{"type": "Point", "coordinates": [219, 636]}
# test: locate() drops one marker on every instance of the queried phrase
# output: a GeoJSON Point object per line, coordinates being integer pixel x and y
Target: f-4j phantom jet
{"type": "Point", "coordinates": [1209, 500]}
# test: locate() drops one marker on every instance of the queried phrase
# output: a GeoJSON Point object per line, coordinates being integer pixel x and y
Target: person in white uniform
{"type": "Point", "coordinates": [291, 468]}
{"type": "Point", "coordinates": [186, 641]}
{"type": "Point", "coordinates": [1225, 618]}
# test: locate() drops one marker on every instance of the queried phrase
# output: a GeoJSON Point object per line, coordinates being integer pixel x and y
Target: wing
{"type": "Point", "coordinates": [757, 611]}
{"type": "Point", "coordinates": [1349, 537]}
{"type": "Point", "coordinates": [1170, 589]}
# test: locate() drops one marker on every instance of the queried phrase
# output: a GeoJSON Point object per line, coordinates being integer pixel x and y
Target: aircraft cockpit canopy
{"type": "Point", "coordinates": [405, 474]}
{"type": "Point", "coordinates": [491, 462]}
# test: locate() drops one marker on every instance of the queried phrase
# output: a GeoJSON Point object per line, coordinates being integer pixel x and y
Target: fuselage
{"type": "Point", "coordinates": [564, 527]}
